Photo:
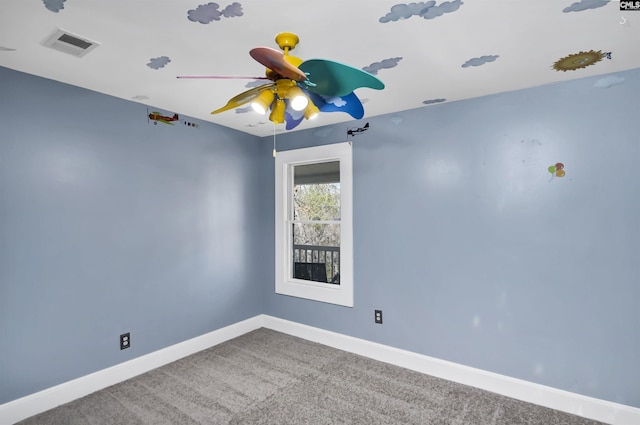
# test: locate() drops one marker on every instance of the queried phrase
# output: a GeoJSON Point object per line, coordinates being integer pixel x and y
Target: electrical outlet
{"type": "Point", "coordinates": [378, 316]}
{"type": "Point", "coordinates": [125, 341]}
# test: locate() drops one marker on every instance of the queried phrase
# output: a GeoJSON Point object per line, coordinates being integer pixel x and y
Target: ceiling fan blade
{"type": "Point", "coordinates": [222, 77]}
{"type": "Point", "coordinates": [331, 78]}
{"type": "Point", "coordinates": [292, 117]}
{"type": "Point", "coordinates": [274, 60]}
{"type": "Point", "coordinates": [349, 104]}
{"type": "Point", "coordinates": [243, 98]}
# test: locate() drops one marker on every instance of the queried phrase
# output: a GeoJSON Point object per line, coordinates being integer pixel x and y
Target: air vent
{"type": "Point", "coordinates": [69, 43]}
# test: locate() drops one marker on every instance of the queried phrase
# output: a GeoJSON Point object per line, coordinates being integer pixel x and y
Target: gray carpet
{"type": "Point", "coordinates": [266, 377]}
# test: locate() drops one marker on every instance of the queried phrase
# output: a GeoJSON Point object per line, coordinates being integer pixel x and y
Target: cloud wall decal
{"type": "Point", "coordinates": [397, 119]}
{"type": "Point", "coordinates": [426, 10]}
{"type": "Point", "coordinates": [233, 10]}
{"type": "Point", "coordinates": [384, 64]}
{"type": "Point", "coordinates": [441, 9]}
{"type": "Point", "coordinates": [206, 13]}
{"type": "Point", "coordinates": [159, 62]}
{"type": "Point", "coordinates": [585, 5]}
{"type": "Point", "coordinates": [255, 83]}
{"type": "Point", "coordinates": [609, 81]}
{"type": "Point", "coordinates": [405, 11]}
{"type": "Point", "coordinates": [322, 131]}
{"type": "Point", "coordinates": [480, 61]}
{"type": "Point", "coordinates": [54, 5]}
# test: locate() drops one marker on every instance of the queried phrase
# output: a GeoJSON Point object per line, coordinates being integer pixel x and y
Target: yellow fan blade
{"type": "Point", "coordinates": [244, 97]}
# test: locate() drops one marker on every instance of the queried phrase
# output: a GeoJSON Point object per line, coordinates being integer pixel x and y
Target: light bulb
{"type": "Point", "coordinates": [258, 108]}
{"type": "Point", "coordinates": [262, 102]}
{"type": "Point", "coordinates": [298, 103]}
{"type": "Point", "coordinates": [297, 99]}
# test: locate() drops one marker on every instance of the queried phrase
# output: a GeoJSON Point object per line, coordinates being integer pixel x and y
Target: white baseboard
{"type": "Point", "coordinates": [588, 407]}
{"type": "Point", "coordinates": [49, 398]}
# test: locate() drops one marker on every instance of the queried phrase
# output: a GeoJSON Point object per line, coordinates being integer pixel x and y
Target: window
{"type": "Point", "coordinates": [314, 238]}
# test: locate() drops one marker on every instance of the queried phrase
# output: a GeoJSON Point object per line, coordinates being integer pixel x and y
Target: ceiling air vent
{"type": "Point", "coordinates": [69, 43]}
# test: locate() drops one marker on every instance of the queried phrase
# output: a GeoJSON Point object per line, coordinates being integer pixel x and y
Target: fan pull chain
{"type": "Point", "coordinates": [274, 140]}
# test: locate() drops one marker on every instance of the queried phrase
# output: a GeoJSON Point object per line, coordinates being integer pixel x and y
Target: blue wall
{"type": "Point", "coordinates": [109, 225]}
{"type": "Point", "coordinates": [477, 257]}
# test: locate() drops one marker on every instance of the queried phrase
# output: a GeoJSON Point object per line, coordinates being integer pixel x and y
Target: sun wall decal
{"type": "Point", "coordinates": [580, 60]}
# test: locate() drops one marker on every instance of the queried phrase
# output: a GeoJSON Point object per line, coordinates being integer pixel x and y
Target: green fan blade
{"type": "Point", "coordinates": [244, 97]}
{"type": "Point", "coordinates": [335, 79]}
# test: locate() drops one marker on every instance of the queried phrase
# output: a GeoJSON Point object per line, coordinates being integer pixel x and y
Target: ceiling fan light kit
{"type": "Point", "coordinates": [284, 90]}
{"type": "Point", "coordinates": [277, 111]}
{"type": "Point", "coordinates": [297, 99]}
{"type": "Point", "coordinates": [262, 102]}
{"type": "Point", "coordinates": [301, 89]}
{"type": "Point", "coordinates": [311, 111]}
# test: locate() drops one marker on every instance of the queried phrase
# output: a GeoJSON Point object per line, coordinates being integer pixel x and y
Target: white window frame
{"type": "Point", "coordinates": [285, 284]}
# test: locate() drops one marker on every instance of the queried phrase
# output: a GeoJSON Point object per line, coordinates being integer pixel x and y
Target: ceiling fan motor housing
{"type": "Point", "coordinates": [287, 41]}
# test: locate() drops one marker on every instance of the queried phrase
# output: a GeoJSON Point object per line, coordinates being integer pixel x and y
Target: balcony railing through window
{"type": "Point", "coordinates": [317, 263]}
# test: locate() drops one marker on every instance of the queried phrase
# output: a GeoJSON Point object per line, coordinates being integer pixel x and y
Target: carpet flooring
{"type": "Point", "coordinates": [267, 377]}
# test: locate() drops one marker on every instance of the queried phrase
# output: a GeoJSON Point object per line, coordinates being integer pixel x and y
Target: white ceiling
{"type": "Point", "coordinates": [421, 59]}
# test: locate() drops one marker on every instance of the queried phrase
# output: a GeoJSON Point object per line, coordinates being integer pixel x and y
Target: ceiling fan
{"type": "Point", "coordinates": [300, 89]}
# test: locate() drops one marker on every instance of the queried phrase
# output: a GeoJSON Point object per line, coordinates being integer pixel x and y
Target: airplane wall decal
{"type": "Point", "coordinates": [157, 117]}
{"type": "Point", "coordinates": [356, 130]}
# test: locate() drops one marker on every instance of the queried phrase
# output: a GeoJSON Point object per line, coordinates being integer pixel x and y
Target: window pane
{"type": "Point", "coordinates": [316, 191]}
{"type": "Point", "coordinates": [319, 172]}
{"type": "Point", "coordinates": [316, 252]}
{"type": "Point", "coordinates": [316, 202]}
